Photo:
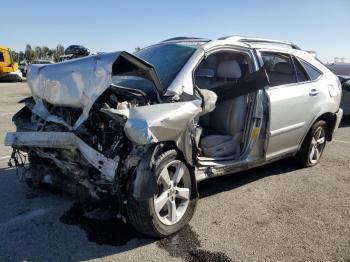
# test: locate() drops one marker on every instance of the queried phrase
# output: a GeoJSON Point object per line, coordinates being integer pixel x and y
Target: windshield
{"type": "Point", "coordinates": [167, 59]}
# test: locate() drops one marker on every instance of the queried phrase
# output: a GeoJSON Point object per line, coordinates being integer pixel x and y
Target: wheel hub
{"type": "Point", "coordinates": [317, 145]}
{"type": "Point", "coordinates": [172, 200]}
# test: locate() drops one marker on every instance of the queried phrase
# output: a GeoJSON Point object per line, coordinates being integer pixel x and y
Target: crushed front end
{"type": "Point", "coordinates": [97, 156]}
{"type": "Point", "coordinates": [86, 135]}
{"type": "Point", "coordinates": [70, 143]}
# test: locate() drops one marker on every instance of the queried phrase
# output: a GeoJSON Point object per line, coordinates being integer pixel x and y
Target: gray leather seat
{"type": "Point", "coordinates": [227, 120]}
{"type": "Point", "coordinates": [228, 72]}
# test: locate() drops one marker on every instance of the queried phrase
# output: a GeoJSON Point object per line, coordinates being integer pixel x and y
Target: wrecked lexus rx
{"type": "Point", "coordinates": [144, 128]}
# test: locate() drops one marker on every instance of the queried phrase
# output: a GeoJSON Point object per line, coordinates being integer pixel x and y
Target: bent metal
{"type": "Point", "coordinates": [141, 130]}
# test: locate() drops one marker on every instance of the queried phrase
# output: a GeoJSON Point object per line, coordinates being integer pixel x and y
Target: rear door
{"type": "Point", "coordinates": [292, 98]}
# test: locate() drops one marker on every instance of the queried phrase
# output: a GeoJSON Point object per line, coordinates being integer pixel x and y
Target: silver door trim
{"type": "Point", "coordinates": [286, 129]}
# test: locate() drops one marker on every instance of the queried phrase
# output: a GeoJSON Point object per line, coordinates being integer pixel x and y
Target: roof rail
{"type": "Point", "coordinates": [184, 38]}
{"type": "Point", "coordinates": [258, 40]}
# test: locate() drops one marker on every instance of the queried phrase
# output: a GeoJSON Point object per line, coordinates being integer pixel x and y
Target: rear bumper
{"type": "Point", "coordinates": [345, 102]}
{"type": "Point", "coordinates": [339, 116]}
{"type": "Point", "coordinates": [64, 140]}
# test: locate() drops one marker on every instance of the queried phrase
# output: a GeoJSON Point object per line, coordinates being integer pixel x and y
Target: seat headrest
{"type": "Point", "coordinates": [283, 67]}
{"type": "Point", "coordinates": [229, 69]}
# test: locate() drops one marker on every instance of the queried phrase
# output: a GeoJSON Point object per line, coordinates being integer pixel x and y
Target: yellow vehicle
{"type": "Point", "coordinates": [8, 68]}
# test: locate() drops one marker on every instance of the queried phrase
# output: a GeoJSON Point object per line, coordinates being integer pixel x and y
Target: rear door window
{"type": "Point", "coordinates": [2, 57]}
{"type": "Point", "coordinates": [279, 68]}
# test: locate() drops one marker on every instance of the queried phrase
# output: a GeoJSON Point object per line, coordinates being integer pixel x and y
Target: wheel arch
{"type": "Point", "coordinates": [143, 183]}
{"type": "Point", "coordinates": [330, 120]}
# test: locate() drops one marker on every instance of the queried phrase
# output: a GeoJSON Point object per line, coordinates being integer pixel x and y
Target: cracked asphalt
{"type": "Point", "coordinates": [273, 213]}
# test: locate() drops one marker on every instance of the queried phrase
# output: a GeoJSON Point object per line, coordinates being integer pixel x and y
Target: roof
{"type": "Point", "coordinates": [243, 41]}
{"type": "Point", "coordinates": [237, 40]}
{"type": "Point", "coordinates": [255, 40]}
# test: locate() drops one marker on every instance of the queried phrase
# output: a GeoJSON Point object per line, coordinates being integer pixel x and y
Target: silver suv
{"type": "Point", "coordinates": [142, 130]}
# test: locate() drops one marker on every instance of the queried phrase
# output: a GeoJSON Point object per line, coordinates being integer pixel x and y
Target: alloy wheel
{"type": "Point", "coordinates": [317, 144]}
{"type": "Point", "coordinates": [174, 187]}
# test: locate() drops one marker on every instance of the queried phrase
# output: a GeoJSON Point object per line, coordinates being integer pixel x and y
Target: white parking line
{"type": "Point", "coordinates": [341, 141]}
{"type": "Point", "coordinates": [23, 218]}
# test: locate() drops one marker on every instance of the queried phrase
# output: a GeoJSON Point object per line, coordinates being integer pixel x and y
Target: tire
{"type": "Point", "coordinates": [310, 153]}
{"type": "Point", "coordinates": [147, 217]}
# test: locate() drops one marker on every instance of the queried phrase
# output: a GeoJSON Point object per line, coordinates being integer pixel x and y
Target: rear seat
{"type": "Point", "coordinates": [281, 74]}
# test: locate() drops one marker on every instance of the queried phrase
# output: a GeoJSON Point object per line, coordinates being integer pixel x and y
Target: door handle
{"type": "Point", "coordinates": [313, 92]}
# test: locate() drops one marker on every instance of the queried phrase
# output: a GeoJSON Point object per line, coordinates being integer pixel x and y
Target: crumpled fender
{"type": "Point", "coordinates": [144, 181]}
{"type": "Point", "coordinates": [159, 122]}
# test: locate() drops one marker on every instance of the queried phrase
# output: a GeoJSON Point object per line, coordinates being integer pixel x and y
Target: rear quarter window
{"type": "Point", "coordinates": [312, 71]}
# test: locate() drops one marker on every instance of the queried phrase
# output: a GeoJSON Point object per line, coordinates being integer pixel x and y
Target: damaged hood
{"type": "Point", "coordinates": [78, 83]}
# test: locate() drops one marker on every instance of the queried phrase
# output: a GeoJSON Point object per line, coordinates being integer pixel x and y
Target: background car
{"type": "Point", "coordinates": [76, 51]}
{"type": "Point", "coordinates": [343, 72]}
{"type": "Point", "coordinates": [345, 98]}
{"type": "Point", "coordinates": [342, 69]}
{"type": "Point", "coordinates": [15, 76]}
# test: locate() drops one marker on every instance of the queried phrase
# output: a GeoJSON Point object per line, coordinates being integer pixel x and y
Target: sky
{"type": "Point", "coordinates": [101, 26]}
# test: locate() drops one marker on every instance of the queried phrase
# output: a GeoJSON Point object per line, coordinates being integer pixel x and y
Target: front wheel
{"type": "Point", "coordinates": [173, 205]}
{"type": "Point", "coordinates": [313, 145]}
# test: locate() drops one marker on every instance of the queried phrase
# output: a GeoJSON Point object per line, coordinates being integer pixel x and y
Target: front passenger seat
{"type": "Point", "coordinates": [227, 120]}
{"type": "Point", "coordinates": [229, 72]}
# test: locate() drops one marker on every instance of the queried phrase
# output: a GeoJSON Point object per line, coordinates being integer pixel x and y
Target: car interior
{"type": "Point", "coordinates": [221, 131]}
{"type": "Point", "coordinates": [280, 69]}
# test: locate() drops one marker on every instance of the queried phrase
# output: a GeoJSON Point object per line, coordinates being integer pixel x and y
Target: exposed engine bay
{"type": "Point", "coordinates": [74, 160]}
{"type": "Point", "coordinates": [88, 139]}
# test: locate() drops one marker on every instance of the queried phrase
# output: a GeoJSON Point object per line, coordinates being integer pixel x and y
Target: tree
{"type": "Point", "coordinates": [21, 56]}
{"type": "Point", "coordinates": [60, 49]}
{"type": "Point", "coordinates": [46, 52]}
{"type": "Point", "coordinates": [29, 54]}
{"type": "Point", "coordinates": [58, 52]}
{"type": "Point", "coordinates": [15, 56]}
{"type": "Point", "coordinates": [38, 52]}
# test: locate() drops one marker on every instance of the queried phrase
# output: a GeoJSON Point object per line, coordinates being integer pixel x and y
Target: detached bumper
{"type": "Point", "coordinates": [64, 140]}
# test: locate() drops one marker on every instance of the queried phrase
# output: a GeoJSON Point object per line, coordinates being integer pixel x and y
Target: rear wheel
{"type": "Point", "coordinates": [172, 207]}
{"type": "Point", "coordinates": [313, 145]}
